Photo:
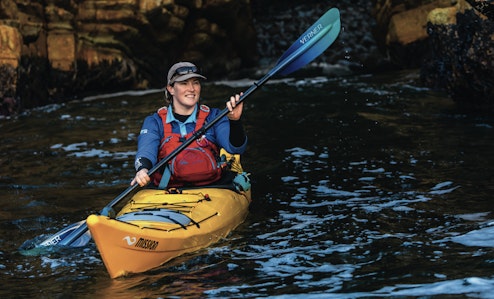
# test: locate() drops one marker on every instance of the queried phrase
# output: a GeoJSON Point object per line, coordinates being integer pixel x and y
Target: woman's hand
{"type": "Point", "coordinates": [234, 107]}
{"type": "Point", "coordinates": [142, 178]}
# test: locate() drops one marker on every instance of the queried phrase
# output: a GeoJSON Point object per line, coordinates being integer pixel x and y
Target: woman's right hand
{"type": "Point", "coordinates": [142, 178]}
{"type": "Point", "coordinates": [234, 107]}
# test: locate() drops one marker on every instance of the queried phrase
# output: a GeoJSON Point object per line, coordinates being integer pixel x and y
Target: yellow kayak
{"type": "Point", "coordinates": [156, 226]}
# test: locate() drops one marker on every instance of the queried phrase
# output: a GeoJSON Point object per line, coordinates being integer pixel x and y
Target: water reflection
{"type": "Point", "coordinates": [363, 187]}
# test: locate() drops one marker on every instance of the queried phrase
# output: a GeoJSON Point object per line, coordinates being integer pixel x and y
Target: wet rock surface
{"type": "Point", "coordinates": [462, 60]}
{"type": "Point", "coordinates": [450, 41]}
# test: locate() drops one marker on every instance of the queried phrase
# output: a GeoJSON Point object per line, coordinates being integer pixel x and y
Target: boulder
{"type": "Point", "coordinates": [462, 58]}
{"type": "Point", "coordinates": [401, 29]}
{"type": "Point", "coordinates": [451, 42]}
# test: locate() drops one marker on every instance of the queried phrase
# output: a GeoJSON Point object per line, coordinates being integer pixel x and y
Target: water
{"type": "Point", "coordinates": [363, 187]}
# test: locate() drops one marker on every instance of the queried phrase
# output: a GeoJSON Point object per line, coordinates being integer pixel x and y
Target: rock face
{"type": "Point", "coordinates": [53, 50]}
{"type": "Point", "coordinates": [451, 41]}
{"type": "Point", "coordinates": [462, 60]}
{"type": "Point", "coordinates": [61, 48]}
{"type": "Point", "coordinates": [401, 29]}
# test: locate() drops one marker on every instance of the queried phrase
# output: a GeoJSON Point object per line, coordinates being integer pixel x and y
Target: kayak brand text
{"type": "Point", "coordinates": [147, 244]}
{"type": "Point", "coordinates": [311, 34]}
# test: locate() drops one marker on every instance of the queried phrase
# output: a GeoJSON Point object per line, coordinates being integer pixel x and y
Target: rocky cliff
{"type": "Point", "coordinates": [56, 49]}
{"type": "Point", "coordinates": [53, 50]}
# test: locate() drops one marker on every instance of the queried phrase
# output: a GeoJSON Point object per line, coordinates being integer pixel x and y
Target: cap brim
{"type": "Point", "coordinates": [186, 77]}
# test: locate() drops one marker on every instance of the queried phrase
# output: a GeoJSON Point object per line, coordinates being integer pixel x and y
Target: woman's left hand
{"type": "Point", "coordinates": [235, 107]}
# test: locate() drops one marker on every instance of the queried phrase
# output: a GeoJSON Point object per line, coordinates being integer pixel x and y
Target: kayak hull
{"type": "Point", "coordinates": [157, 226]}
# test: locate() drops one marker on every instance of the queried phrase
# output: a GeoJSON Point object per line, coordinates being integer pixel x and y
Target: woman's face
{"type": "Point", "coordinates": [185, 95]}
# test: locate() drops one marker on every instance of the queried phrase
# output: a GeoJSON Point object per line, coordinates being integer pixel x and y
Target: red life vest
{"type": "Point", "coordinates": [198, 164]}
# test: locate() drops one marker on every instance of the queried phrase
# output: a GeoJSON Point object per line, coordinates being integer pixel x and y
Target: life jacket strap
{"type": "Point", "coordinates": [165, 179]}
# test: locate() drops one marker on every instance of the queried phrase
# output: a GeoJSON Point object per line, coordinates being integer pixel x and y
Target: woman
{"type": "Point", "coordinates": [163, 131]}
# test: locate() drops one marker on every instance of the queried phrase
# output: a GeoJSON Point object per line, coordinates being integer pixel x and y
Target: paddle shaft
{"type": "Point", "coordinates": [289, 62]}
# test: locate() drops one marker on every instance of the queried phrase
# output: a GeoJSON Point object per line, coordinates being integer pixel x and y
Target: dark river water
{"type": "Point", "coordinates": [363, 187]}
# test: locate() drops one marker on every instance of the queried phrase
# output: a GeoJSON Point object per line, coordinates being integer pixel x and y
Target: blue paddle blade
{"type": "Point", "coordinates": [64, 233]}
{"type": "Point", "coordinates": [34, 247]}
{"type": "Point", "coordinates": [312, 43]}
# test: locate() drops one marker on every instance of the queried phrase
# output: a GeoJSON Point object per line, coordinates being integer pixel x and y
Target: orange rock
{"type": "Point", "coordinates": [410, 26]}
{"type": "Point", "coordinates": [10, 45]}
{"type": "Point", "coordinates": [61, 49]}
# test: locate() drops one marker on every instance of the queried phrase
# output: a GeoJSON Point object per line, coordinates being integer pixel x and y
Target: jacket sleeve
{"type": "Point", "coordinates": [220, 134]}
{"type": "Point", "coordinates": [148, 142]}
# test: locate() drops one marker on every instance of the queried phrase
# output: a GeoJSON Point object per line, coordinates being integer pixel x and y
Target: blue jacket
{"type": "Point", "coordinates": [152, 133]}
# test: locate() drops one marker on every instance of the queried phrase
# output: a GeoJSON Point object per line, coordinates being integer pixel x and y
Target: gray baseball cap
{"type": "Point", "coordinates": [182, 71]}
